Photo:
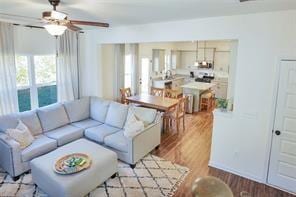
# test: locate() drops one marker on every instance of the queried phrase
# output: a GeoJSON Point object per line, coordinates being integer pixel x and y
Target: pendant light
{"type": "Point", "coordinates": [196, 63]}
{"type": "Point", "coordinates": [204, 62]}
{"type": "Point", "coordinates": [55, 29]}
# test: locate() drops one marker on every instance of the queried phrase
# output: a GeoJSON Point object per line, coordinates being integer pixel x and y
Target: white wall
{"type": "Point", "coordinates": [232, 70]}
{"type": "Point", "coordinates": [107, 60]}
{"type": "Point", "coordinates": [263, 39]}
{"type": "Point", "coordinates": [91, 73]}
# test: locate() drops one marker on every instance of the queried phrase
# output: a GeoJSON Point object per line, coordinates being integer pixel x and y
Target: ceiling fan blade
{"type": "Point", "coordinates": [89, 23]}
{"type": "Point", "coordinates": [73, 27]}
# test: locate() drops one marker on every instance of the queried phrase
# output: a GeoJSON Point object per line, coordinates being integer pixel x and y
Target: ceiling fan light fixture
{"type": "Point", "coordinates": [54, 29]}
{"type": "Point", "coordinates": [58, 15]}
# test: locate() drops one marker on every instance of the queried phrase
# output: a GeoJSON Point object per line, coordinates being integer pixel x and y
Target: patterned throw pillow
{"type": "Point", "coordinates": [21, 134]}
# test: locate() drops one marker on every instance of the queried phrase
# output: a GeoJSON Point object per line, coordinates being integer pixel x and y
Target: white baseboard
{"type": "Point", "coordinates": [276, 187]}
{"type": "Point", "coordinates": [233, 171]}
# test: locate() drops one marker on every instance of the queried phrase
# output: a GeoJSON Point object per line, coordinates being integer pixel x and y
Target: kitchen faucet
{"type": "Point", "coordinates": [168, 74]}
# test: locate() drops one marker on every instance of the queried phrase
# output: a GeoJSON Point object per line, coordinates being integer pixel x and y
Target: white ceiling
{"type": "Point", "coordinates": [129, 12]}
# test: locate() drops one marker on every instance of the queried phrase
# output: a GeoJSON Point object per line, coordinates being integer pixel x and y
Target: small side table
{"type": "Point", "coordinates": [210, 187]}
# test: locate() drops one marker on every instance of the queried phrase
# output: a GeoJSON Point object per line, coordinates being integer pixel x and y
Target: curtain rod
{"type": "Point", "coordinates": [37, 27]}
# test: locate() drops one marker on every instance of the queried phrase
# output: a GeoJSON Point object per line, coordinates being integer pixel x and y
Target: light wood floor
{"type": "Point", "coordinates": [191, 148]}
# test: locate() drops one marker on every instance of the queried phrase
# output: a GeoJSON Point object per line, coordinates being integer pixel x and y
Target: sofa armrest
{"type": "Point", "coordinates": [10, 154]}
{"type": "Point", "coordinates": [158, 117]}
{"type": "Point", "coordinates": [145, 141]}
{"type": "Point", "coordinates": [4, 138]}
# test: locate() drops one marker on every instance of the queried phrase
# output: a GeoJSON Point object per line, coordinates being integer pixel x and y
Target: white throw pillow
{"type": "Point", "coordinates": [132, 125]}
{"type": "Point", "coordinates": [146, 115]}
{"type": "Point", "coordinates": [21, 134]}
{"type": "Point", "coordinates": [131, 117]}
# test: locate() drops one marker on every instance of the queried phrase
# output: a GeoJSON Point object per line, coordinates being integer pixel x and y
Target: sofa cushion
{"type": "Point", "coordinates": [98, 109]}
{"type": "Point", "coordinates": [116, 115]}
{"type": "Point", "coordinates": [88, 123]}
{"type": "Point", "coordinates": [78, 110]}
{"type": "Point", "coordinates": [31, 120]}
{"type": "Point", "coordinates": [100, 132]}
{"type": "Point", "coordinates": [8, 122]}
{"type": "Point", "coordinates": [117, 141]}
{"type": "Point", "coordinates": [144, 114]}
{"type": "Point", "coordinates": [52, 117]}
{"type": "Point", "coordinates": [41, 145]}
{"type": "Point", "coordinates": [66, 134]}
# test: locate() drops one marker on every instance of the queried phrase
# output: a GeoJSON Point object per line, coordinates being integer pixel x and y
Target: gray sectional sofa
{"type": "Point", "coordinates": [96, 119]}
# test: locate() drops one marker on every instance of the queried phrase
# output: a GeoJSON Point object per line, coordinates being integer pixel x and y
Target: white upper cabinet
{"type": "Point", "coordinates": [222, 60]}
{"type": "Point", "coordinates": [158, 60]}
{"type": "Point", "coordinates": [175, 59]}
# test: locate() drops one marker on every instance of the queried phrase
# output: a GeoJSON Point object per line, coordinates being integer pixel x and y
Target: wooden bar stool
{"type": "Point", "coordinates": [206, 100]}
{"type": "Point", "coordinates": [213, 98]}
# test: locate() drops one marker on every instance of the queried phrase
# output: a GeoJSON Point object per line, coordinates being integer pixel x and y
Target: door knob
{"type": "Point", "coordinates": [277, 132]}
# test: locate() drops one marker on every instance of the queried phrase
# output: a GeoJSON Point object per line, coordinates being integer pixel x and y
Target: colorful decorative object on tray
{"type": "Point", "coordinates": [72, 163]}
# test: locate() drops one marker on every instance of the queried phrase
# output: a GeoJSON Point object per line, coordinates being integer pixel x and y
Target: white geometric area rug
{"type": "Point", "coordinates": [152, 177]}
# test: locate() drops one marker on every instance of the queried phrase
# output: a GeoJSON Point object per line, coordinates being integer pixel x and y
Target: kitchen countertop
{"type": "Point", "coordinates": [198, 85]}
{"type": "Point", "coordinates": [169, 80]}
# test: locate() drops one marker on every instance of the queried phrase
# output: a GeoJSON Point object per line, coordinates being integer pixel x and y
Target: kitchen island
{"type": "Point", "coordinates": [196, 88]}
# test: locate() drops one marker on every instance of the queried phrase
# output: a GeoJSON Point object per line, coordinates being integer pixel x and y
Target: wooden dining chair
{"type": "Point", "coordinates": [170, 93]}
{"type": "Point", "coordinates": [125, 92]}
{"type": "Point", "coordinates": [213, 98]}
{"type": "Point", "coordinates": [206, 101]}
{"type": "Point", "coordinates": [157, 91]}
{"type": "Point", "coordinates": [175, 115]}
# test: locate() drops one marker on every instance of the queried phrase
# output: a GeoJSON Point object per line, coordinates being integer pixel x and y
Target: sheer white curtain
{"type": "Point", "coordinates": [134, 52]}
{"type": "Point", "coordinates": [119, 59]}
{"type": "Point", "coordinates": [67, 66]}
{"type": "Point", "coordinates": [8, 89]}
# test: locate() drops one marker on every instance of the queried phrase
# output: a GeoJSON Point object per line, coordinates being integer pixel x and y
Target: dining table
{"type": "Point", "coordinates": [156, 102]}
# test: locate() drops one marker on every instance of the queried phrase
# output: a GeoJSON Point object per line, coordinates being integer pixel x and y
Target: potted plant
{"type": "Point", "coordinates": [222, 104]}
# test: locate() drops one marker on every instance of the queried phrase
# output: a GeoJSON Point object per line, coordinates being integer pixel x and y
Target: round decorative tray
{"type": "Point", "coordinates": [72, 163]}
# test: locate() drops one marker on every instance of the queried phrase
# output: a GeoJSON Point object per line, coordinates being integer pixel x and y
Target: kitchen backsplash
{"type": "Point", "coordinates": [198, 72]}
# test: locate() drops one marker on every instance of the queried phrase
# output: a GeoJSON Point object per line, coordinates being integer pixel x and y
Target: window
{"type": "Point", "coordinates": [45, 73]}
{"type": "Point", "coordinates": [128, 71]}
{"type": "Point", "coordinates": [36, 81]}
{"type": "Point", "coordinates": [22, 79]}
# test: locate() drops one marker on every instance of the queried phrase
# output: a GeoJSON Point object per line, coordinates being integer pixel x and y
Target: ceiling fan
{"type": "Point", "coordinates": [57, 22]}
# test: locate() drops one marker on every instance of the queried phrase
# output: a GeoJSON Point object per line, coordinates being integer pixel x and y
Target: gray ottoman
{"type": "Point", "coordinates": [104, 165]}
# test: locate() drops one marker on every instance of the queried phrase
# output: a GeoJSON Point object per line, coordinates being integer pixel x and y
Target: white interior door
{"type": "Point", "coordinates": [282, 168]}
{"type": "Point", "coordinates": [144, 76]}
